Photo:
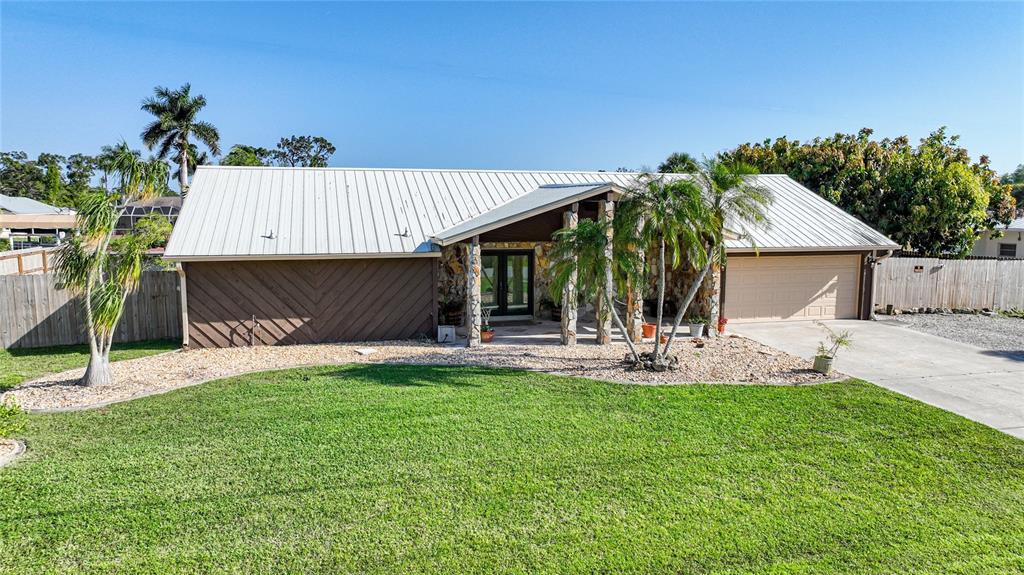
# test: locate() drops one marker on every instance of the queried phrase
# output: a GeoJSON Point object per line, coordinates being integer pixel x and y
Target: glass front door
{"type": "Point", "coordinates": [506, 283]}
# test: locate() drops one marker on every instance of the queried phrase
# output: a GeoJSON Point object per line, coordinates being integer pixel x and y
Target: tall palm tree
{"type": "Point", "coordinates": [175, 125]}
{"type": "Point", "coordinates": [733, 198]}
{"type": "Point", "coordinates": [669, 215]}
{"type": "Point", "coordinates": [103, 270]}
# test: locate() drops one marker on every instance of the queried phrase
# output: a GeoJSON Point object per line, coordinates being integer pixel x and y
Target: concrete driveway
{"type": "Point", "coordinates": [983, 385]}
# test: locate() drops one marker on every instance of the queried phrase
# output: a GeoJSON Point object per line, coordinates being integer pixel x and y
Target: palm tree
{"type": "Point", "coordinates": [669, 215]}
{"type": "Point", "coordinates": [679, 163]}
{"type": "Point", "coordinates": [175, 125]}
{"type": "Point", "coordinates": [195, 159]}
{"type": "Point", "coordinates": [104, 270]}
{"type": "Point", "coordinates": [732, 197]}
{"type": "Point", "coordinates": [582, 249]}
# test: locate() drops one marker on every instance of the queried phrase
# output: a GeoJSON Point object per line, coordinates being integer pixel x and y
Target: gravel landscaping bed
{"type": "Point", "coordinates": [730, 360]}
{"type": "Point", "coordinates": [987, 332]}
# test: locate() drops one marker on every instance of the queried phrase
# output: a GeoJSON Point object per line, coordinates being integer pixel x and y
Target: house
{"type": "Point", "coordinates": [169, 206]}
{"type": "Point", "coordinates": [1009, 245]}
{"type": "Point", "coordinates": [29, 223]}
{"type": "Point", "coordinates": [299, 255]}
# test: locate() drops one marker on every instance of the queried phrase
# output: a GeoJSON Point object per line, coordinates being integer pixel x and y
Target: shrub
{"type": "Point", "coordinates": [12, 419]}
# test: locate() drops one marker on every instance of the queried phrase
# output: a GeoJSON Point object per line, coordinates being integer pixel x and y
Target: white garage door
{"type": "Point", "coordinates": [791, 287]}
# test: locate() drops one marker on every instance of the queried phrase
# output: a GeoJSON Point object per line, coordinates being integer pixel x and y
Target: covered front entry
{"type": "Point", "coordinates": [776, 287]}
{"type": "Point", "coordinates": [506, 283]}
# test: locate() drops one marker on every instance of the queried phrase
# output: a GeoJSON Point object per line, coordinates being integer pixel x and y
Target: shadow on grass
{"type": "Point", "coordinates": [394, 375]}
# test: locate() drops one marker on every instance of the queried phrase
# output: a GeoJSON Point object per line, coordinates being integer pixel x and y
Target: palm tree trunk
{"type": "Point", "coordinates": [690, 294]}
{"type": "Point", "coordinates": [609, 288]}
{"type": "Point", "coordinates": [183, 172]}
{"type": "Point", "coordinates": [661, 300]}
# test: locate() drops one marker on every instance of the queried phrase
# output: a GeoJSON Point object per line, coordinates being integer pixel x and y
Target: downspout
{"type": "Point", "coordinates": [183, 302]}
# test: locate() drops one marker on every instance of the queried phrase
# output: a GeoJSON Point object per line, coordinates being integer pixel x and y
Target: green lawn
{"type": "Point", "coordinates": [18, 365]}
{"type": "Point", "coordinates": [397, 469]}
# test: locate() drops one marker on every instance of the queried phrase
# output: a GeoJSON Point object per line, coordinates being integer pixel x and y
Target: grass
{"type": "Point", "coordinates": [405, 469]}
{"type": "Point", "coordinates": [18, 365]}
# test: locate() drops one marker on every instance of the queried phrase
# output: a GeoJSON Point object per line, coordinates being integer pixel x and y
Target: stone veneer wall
{"type": "Point", "coordinates": [451, 281]}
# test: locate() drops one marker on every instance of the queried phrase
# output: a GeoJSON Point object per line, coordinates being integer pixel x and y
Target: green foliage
{"type": "Point", "coordinates": [930, 198]}
{"type": "Point", "coordinates": [678, 163]}
{"type": "Point", "coordinates": [242, 155]}
{"type": "Point", "coordinates": [835, 339]}
{"type": "Point", "coordinates": [414, 469]}
{"type": "Point", "coordinates": [54, 184]}
{"type": "Point", "coordinates": [1015, 180]}
{"type": "Point", "coordinates": [12, 420]}
{"type": "Point", "coordinates": [303, 151]}
{"type": "Point", "coordinates": [21, 177]}
{"type": "Point", "coordinates": [5, 244]}
{"type": "Point", "coordinates": [580, 249]}
{"type": "Point", "coordinates": [176, 125]}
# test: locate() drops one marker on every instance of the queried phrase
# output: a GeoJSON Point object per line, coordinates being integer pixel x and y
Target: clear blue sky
{"type": "Point", "coordinates": [537, 86]}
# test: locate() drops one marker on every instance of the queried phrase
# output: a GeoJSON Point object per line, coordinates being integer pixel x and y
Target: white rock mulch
{"type": "Point", "coordinates": [10, 449]}
{"type": "Point", "coordinates": [729, 360]}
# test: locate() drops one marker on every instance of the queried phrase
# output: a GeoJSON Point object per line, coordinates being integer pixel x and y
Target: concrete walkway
{"type": "Point", "coordinates": [984, 385]}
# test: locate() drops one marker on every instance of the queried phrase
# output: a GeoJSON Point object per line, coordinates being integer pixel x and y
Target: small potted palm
{"type": "Point", "coordinates": [827, 351]}
{"type": "Point", "coordinates": [696, 325]}
{"type": "Point", "coordinates": [486, 331]}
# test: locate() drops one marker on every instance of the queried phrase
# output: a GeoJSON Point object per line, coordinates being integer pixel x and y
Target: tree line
{"type": "Point", "coordinates": [175, 134]}
{"type": "Point", "coordinates": [931, 198]}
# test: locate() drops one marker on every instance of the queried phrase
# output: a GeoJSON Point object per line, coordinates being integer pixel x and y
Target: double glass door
{"type": "Point", "coordinates": [506, 282]}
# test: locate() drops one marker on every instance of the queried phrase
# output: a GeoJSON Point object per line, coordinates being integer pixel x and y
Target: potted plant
{"type": "Point", "coordinates": [827, 351]}
{"type": "Point", "coordinates": [486, 331]}
{"type": "Point", "coordinates": [648, 329]}
{"type": "Point", "coordinates": [696, 325]}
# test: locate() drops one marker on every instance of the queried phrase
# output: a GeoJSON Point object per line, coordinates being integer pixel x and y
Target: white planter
{"type": "Point", "coordinates": [696, 329]}
{"type": "Point", "coordinates": [823, 364]}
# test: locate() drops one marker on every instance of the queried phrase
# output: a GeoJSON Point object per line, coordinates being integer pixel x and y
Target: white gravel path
{"type": "Point", "coordinates": [729, 360]}
{"type": "Point", "coordinates": [987, 332]}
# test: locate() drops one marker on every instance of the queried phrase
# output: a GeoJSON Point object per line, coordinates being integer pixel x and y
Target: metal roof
{"type": "Point", "coordinates": [25, 206]}
{"type": "Point", "coordinates": [1016, 225]}
{"type": "Point", "coordinates": [276, 213]}
{"type": "Point", "coordinates": [543, 199]}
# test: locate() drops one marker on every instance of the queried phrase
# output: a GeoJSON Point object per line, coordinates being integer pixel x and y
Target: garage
{"type": "Point", "coordinates": [792, 288]}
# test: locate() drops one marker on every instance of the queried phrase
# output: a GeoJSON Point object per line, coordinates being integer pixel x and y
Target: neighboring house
{"type": "Point", "coordinates": [30, 223]}
{"type": "Point", "coordinates": [1010, 245]}
{"type": "Point", "coordinates": [169, 206]}
{"type": "Point", "coordinates": [300, 255]}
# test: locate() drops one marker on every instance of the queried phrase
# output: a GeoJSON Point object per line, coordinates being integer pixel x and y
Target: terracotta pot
{"type": "Point", "coordinates": [722, 320]}
{"type": "Point", "coordinates": [487, 336]}
{"type": "Point", "coordinates": [664, 338]}
{"type": "Point", "coordinates": [648, 329]}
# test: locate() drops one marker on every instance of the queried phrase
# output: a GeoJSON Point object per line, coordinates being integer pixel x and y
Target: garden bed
{"type": "Point", "coordinates": [728, 360]}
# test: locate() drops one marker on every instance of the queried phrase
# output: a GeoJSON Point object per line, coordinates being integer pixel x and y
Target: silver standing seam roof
{"type": "Point", "coordinates": [234, 213]}
{"type": "Point", "coordinates": [28, 206]}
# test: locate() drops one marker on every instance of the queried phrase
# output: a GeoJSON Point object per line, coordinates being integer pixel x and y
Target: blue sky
{"type": "Point", "coordinates": [529, 86]}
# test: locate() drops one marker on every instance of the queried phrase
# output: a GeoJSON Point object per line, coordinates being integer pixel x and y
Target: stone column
{"type": "Point", "coordinates": [473, 266]}
{"type": "Point", "coordinates": [605, 213]}
{"type": "Point", "coordinates": [569, 304]}
{"type": "Point", "coordinates": [715, 297]}
{"type": "Point", "coordinates": [635, 301]}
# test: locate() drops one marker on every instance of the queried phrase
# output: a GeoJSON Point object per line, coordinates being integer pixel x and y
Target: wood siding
{"type": "Point", "coordinates": [34, 313]}
{"type": "Point", "coordinates": [309, 301]}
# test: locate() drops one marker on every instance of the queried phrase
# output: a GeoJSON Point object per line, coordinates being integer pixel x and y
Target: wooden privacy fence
{"type": "Point", "coordinates": [34, 313]}
{"type": "Point", "coordinates": [965, 284]}
{"type": "Point", "coordinates": [27, 261]}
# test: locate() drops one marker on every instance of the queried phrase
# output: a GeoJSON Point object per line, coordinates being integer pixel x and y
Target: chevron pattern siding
{"type": "Point", "coordinates": [309, 301]}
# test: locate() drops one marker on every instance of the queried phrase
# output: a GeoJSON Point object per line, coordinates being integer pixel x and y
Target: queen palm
{"type": "Point", "coordinates": [175, 125]}
{"type": "Point", "coordinates": [731, 196]}
{"type": "Point", "coordinates": [101, 269]}
{"type": "Point", "coordinates": [667, 215]}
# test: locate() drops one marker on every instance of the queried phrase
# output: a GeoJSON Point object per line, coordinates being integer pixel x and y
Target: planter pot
{"type": "Point", "coordinates": [696, 330]}
{"type": "Point", "coordinates": [486, 336]}
{"type": "Point", "coordinates": [664, 338]}
{"type": "Point", "coordinates": [648, 329]}
{"type": "Point", "coordinates": [823, 364]}
{"type": "Point", "coordinates": [721, 324]}
{"type": "Point", "coordinates": [556, 314]}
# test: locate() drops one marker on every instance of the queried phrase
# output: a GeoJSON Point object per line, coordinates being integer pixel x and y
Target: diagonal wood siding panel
{"type": "Point", "coordinates": [309, 301]}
